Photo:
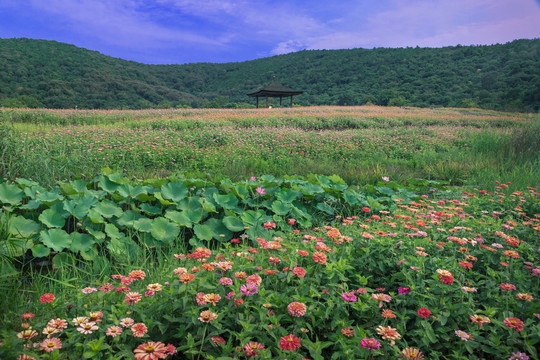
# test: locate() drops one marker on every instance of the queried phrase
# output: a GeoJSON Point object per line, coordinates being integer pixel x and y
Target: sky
{"type": "Point", "coordinates": [219, 31]}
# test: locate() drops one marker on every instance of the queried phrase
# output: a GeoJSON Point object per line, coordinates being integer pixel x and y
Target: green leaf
{"type": "Point", "coordinates": [151, 210]}
{"type": "Point", "coordinates": [113, 232]}
{"type": "Point", "coordinates": [128, 218]}
{"type": "Point", "coordinates": [325, 208]}
{"type": "Point", "coordinates": [49, 197]}
{"type": "Point", "coordinates": [81, 242]}
{"type": "Point", "coordinates": [108, 209]}
{"type": "Point", "coordinates": [228, 201]}
{"type": "Point", "coordinates": [233, 223]}
{"type": "Point", "coordinates": [219, 230]}
{"type": "Point", "coordinates": [287, 195]}
{"type": "Point", "coordinates": [40, 251]}
{"type": "Point", "coordinates": [10, 194]}
{"type": "Point", "coordinates": [95, 216]}
{"type": "Point", "coordinates": [143, 224]}
{"type": "Point", "coordinates": [56, 239]}
{"type": "Point", "coordinates": [51, 218]}
{"type": "Point", "coordinates": [19, 226]}
{"type": "Point", "coordinates": [203, 232]}
{"type": "Point", "coordinates": [280, 208]}
{"type": "Point", "coordinates": [174, 191]}
{"type": "Point", "coordinates": [178, 217]}
{"type": "Point", "coordinates": [163, 201]}
{"type": "Point", "coordinates": [164, 230]}
{"type": "Point", "coordinates": [106, 184]}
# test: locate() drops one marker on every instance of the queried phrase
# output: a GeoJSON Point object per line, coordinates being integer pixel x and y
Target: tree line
{"type": "Point", "coordinates": [42, 73]}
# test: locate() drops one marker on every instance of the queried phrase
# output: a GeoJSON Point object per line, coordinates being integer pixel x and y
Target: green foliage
{"type": "Point", "coordinates": [505, 77]}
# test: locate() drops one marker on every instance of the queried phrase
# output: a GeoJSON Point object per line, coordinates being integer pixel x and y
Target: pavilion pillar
{"type": "Point", "coordinates": [291, 100]}
{"type": "Point", "coordinates": [281, 97]}
{"type": "Point", "coordinates": [267, 102]}
{"type": "Point", "coordinates": [257, 102]}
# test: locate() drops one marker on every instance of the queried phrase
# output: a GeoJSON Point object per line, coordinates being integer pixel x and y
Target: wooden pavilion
{"type": "Point", "coordinates": [274, 89]}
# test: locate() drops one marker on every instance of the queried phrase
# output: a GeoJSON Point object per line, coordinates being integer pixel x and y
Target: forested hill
{"type": "Point", "coordinates": [37, 73]}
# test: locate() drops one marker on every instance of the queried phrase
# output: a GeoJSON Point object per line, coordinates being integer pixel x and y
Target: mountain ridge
{"type": "Point", "coordinates": [58, 75]}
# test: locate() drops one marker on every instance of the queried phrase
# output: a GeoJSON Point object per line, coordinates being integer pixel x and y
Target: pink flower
{"type": "Point", "coordinates": [260, 191]}
{"type": "Point", "coordinates": [114, 331]}
{"type": "Point", "coordinates": [225, 281]}
{"type": "Point", "coordinates": [51, 344]}
{"type": "Point", "coordinates": [349, 297]}
{"type": "Point", "coordinates": [370, 344]}
{"type": "Point", "coordinates": [138, 329]}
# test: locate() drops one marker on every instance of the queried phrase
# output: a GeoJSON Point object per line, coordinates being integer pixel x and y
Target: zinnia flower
{"type": "Point", "coordinates": [403, 290]}
{"type": "Point", "coordinates": [298, 271]}
{"type": "Point", "coordinates": [370, 344]}
{"type": "Point", "coordinates": [514, 323]}
{"type": "Point", "coordinates": [296, 309]}
{"type": "Point", "coordinates": [51, 344]}
{"type": "Point", "coordinates": [218, 340]}
{"type": "Point", "coordinates": [251, 347]}
{"type": "Point", "coordinates": [518, 356]}
{"type": "Point", "coordinates": [412, 354]}
{"type": "Point", "coordinates": [349, 297]}
{"type": "Point", "coordinates": [126, 322]}
{"type": "Point", "coordinates": [254, 280]}
{"type": "Point", "coordinates": [319, 257]}
{"type": "Point", "coordinates": [248, 289]}
{"type": "Point", "coordinates": [289, 342]}
{"type": "Point", "coordinates": [150, 351]}
{"type": "Point", "coordinates": [132, 298]}
{"type": "Point", "coordinates": [186, 278]}
{"type": "Point", "coordinates": [480, 320]}
{"type": "Point", "coordinates": [87, 328]}
{"type": "Point", "coordinates": [389, 314]}
{"type": "Point", "coordinates": [27, 316]}
{"type": "Point", "coordinates": [137, 275]}
{"type": "Point", "coordinates": [380, 298]}
{"type": "Point", "coordinates": [462, 335]}
{"type": "Point", "coordinates": [207, 316]}
{"type": "Point", "coordinates": [27, 334]}
{"type": "Point", "coordinates": [424, 312]}
{"type": "Point", "coordinates": [138, 329]}
{"type": "Point", "coordinates": [47, 298]}
{"type": "Point", "coordinates": [524, 296]}
{"type": "Point", "coordinates": [348, 332]}
{"type": "Point", "coordinates": [225, 281]}
{"type": "Point", "coordinates": [507, 287]}
{"type": "Point", "coordinates": [113, 331]}
{"type": "Point", "coordinates": [388, 333]}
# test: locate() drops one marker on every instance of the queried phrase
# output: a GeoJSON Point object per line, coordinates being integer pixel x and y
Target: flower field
{"type": "Point", "coordinates": [360, 144]}
{"type": "Point", "coordinates": [419, 237]}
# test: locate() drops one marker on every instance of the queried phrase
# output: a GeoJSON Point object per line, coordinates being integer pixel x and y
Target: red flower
{"type": "Point", "coordinates": [424, 312]}
{"type": "Point", "coordinates": [446, 279]}
{"type": "Point", "coordinates": [513, 323]}
{"type": "Point", "coordinates": [289, 342]}
{"type": "Point", "coordinates": [47, 298]}
{"type": "Point", "coordinates": [466, 264]}
{"type": "Point", "coordinates": [366, 209]}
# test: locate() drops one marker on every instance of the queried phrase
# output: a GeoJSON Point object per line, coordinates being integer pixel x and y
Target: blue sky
{"type": "Point", "coordinates": [187, 31]}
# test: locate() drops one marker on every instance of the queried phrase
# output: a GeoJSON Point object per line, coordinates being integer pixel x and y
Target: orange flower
{"type": "Point", "coordinates": [412, 354]}
{"type": "Point", "coordinates": [186, 278]}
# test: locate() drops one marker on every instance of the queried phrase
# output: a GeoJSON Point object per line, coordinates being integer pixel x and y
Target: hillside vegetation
{"type": "Point", "coordinates": [40, 73]}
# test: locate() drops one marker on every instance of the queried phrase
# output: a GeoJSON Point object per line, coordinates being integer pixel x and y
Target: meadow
{"type": "Point", "coordinates": [360, 144]}
{"type": "Point", "coordinates": [310, 233]}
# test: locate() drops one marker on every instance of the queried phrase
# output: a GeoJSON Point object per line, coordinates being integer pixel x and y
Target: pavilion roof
{"type": "Point", "coordinates": [275, 89]}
